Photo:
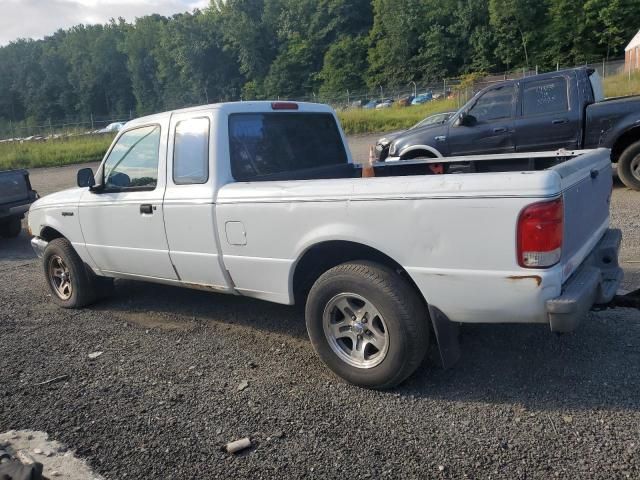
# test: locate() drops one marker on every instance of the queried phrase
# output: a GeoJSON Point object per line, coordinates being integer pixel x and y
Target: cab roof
{"type": "Point", "coordinates": [238, 107]}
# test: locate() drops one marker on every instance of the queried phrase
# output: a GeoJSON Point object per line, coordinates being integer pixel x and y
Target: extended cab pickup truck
{"type": "Point", "coordinates": [263, 200]}
{"type": "Point", "coordinates": [564, 109]}
{"type": "Point", "coordinates": [16, 195]}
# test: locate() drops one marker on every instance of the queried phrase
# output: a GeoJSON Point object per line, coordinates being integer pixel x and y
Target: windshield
{"type": "Point", "coordinates": [433, 120]}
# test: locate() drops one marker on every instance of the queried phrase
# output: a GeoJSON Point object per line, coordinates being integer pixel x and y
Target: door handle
{"type": "Point", "coordinates": [559, 121]}
{"type": "Point", "coordinates": [499, 129]}
{"type": "Point", "coordinates": [146, 209]}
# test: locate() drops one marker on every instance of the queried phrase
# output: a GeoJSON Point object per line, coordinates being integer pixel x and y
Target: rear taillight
{"type": "Point", "coordinates": [540, 228]}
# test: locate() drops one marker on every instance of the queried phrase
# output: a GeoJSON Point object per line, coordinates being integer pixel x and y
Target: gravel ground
{"type": "Point", "coordinates": [163, 398]}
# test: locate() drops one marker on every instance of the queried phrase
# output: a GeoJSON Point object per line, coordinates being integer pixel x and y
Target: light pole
{"type": "Point", "coordinates": [381, 92]}
{"type": "Point", "coordinates": [415, 89]}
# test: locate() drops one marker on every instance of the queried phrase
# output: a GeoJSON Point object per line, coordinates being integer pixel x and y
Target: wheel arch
{"type": "Point", "coordinates": [322, 256]}
{"type": "Point", "coordinates": [431, 151]}
{"type": "Point", "coordinates": [628, 137]}
{"type": "Point", "coordinates": [49, 233]}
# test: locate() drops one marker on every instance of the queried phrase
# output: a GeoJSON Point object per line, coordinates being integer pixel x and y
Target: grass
{"type": "Point", "coordinates": [393, 118]}
{"type": "Point", "coordinates": [54, 152]}
{"type": "Point", "coordinates": [622, 84]}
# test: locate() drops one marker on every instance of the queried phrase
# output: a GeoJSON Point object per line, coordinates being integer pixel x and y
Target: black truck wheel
{"type": "Point", "coordinates": [629, 166]}
{"type": "Point", "coordinates": [367, 324]}
{"type": "Point", "coordinates": [71, 285]}
{"type": "Point", "coordinates": [11, 228]}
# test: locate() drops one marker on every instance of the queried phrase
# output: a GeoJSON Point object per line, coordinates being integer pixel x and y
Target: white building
{"type": "Point", "coordinates": [632, 54]}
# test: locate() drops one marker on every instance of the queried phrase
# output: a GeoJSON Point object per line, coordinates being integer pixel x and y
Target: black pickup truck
{"type": "Point", "coordinates": [16, 195]}
{"type": "Point", "coordinates": [563, 109]}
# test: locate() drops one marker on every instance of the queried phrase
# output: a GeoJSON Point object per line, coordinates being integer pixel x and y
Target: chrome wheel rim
{"type": "Point", "coordinates": [635, 167]}
{"type": "Point", "coordinates": [355, 330]}
{"type": "Point", "coordinates": [60, 277]}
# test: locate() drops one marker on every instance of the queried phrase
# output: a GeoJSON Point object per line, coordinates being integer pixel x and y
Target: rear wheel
{"type": "Point", "coordinates": [70, 283]}
{"type": "Point", "coordinates": [11, 228]}
{"type": "Point", "coordinates": [629, 166]}
{"type": "Point", "coordinates": [367, 324]}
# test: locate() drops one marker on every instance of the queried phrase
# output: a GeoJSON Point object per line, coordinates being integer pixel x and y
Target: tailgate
{"type": "Point", "coordinates": [586, 189]}
{"type": "Point", "coordinates": [14, 187]}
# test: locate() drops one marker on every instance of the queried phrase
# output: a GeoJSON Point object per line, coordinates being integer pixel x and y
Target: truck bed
{"type": "Point", "coordinates": [511, 162]}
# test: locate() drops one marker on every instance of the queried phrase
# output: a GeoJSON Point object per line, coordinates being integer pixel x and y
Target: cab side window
{"type": "Point", "coordinates": [494, 105]}
{"type": "Point", "coordinates": [133, 161]}
{"type": "Point", "coordinates": [545, 96]}
{"type": "Point", "coordinates": [191, 152]}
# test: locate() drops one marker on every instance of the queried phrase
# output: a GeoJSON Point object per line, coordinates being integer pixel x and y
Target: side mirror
{"type": "Point", "coordinates": [85, 178]}
{"type": "Point", "coordinates": [466, 120]}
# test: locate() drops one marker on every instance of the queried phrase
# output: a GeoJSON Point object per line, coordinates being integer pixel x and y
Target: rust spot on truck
{"type": "Point", "coordinates": [536, 278]}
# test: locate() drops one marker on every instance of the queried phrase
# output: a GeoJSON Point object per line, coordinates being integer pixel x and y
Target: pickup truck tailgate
{"type": "Point", "coordinates": [586, 189]}
{"type": "Point", "coordinates": [13, 187]}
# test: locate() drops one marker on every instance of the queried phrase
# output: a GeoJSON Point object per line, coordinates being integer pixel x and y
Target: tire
{"type": "Point", "coordinates": [629, 166]}
{"type": "Point", "coordinates": [70, 283]}
{"type": "Point", "coordinates": [390, 342]}
{"type": "Point", "coordinates": [11, 228]}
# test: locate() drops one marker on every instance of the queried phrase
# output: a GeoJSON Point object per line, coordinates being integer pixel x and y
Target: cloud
{"type": "Point", "coordinates": [38, 18]}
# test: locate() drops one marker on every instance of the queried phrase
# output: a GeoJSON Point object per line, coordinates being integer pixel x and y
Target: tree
{"type": "Point", "coordinates": [344, 67]}
{"type": "Point", "coordinates": [517, 28]}
{"type": "Point", "coordinates": [612, 23]}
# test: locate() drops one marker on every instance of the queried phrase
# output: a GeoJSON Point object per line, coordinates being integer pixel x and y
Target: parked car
{"type": "Point", "coordinates": [564, 109]}
{"type": "Point", "coordinates": [263, 200]}
{"type": "Point", "coordinates": [422, 98]}
{"type": "Point", "coordinates": [382, 146]}
{"type": "Point", "coordinates": [16, 195]}
{"type": "Point", "coordinates": [406, 101]}
{"type": "Point", "coordinates": [112, 128]}
{"type": "Point", "coordinates": [371, 104]}
{"type": "Point", "coordinates": [385, 103]}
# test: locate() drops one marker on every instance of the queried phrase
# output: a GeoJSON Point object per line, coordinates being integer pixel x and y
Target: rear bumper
{"type": "Point", "coordinates": [595, 282]}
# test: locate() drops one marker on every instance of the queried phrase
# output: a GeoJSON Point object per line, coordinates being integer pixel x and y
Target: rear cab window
{"type": "Point", "coordinates": [264, 144]}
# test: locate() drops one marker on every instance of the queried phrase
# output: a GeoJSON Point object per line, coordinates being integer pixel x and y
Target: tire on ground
{"type": "Point", "coordinates": [83, 288]}
{"type": "Point", "coordinates": [405, 317]}
{"type": "Point", "coordinates": [11, 228]}
{"type": "Point", "coordinates": [630, 156]}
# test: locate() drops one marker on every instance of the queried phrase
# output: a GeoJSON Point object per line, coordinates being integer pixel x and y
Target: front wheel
{"type": "Point", "coordinates": [367, 324]}
{"type": "Point", "coordinates": [629, 166]}
{"type": "Point", "coordinates": [70, 283]}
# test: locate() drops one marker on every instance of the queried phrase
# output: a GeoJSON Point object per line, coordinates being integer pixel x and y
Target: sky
{"type": "Point", "coordinates": [38, 18]}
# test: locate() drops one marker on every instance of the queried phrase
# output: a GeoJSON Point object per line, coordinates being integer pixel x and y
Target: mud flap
{"type": "Point", "coordinates": [447, 336]}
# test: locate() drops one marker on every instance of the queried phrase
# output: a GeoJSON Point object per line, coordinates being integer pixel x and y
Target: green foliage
{"type": "Point", "coordinates": [345, 64]}
{"type": "Point", "coordinates": [257, 49]}
{"type": "Point", "coordinates": [54, 152]}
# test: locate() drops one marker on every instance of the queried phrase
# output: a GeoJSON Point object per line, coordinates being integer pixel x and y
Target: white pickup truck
{"type": "Point", "coordinates": [264, 200]}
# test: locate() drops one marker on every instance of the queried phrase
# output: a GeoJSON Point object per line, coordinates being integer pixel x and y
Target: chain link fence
{"type": "Point", "coordinates": [459, 88]}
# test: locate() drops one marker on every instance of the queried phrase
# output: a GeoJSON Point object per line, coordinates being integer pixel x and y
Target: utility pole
{"type": "Point", "coordinates": [381, 92]}
{"type": "Point", "coordinates": [415, 89]}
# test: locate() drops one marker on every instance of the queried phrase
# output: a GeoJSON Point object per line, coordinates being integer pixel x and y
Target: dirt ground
{"type": "Point", "coordinates": [163, 397]}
